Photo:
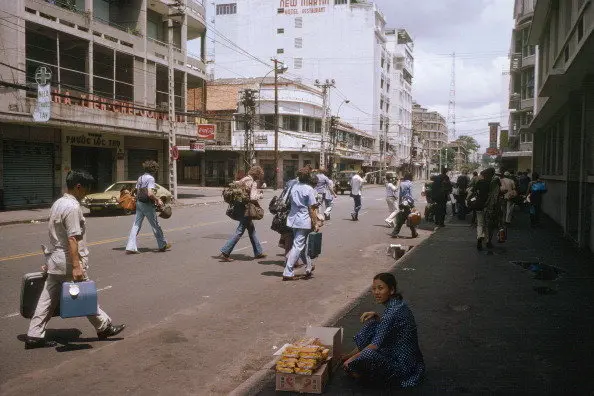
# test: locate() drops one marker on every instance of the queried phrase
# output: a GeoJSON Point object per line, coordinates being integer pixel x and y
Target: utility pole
{"type": "Point", "coordinates": [278, 182]}
{"type": "Point", "coordinates": [171, 101]}
{"type": "Point", "coordinates": [384, 151]}
{"type": "Point", "coordinates": [325, 86]}
{"type": "Point", "coordinates": [248, 99]}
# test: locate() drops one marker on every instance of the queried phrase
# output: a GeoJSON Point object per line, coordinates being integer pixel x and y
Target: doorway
{"type": "Point", "coordinates": [99, 162]}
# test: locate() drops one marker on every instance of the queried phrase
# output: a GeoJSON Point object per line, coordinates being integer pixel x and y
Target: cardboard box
{"type": "Point", "coordinates": [331, 337]}
{"type": "Point", "coordinates": [314, 383]}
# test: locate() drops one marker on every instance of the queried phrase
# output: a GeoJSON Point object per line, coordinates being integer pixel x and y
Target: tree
{"type": "Point", "coordinates": [469, 143]}
{"type": "Point", "coordinates": [448, 158]}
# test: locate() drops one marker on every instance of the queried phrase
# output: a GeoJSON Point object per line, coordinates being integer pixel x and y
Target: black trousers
{"type": "Point", "coordinates": [440, 212]}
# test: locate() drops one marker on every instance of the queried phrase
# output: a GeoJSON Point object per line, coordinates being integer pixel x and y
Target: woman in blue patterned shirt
{"type": "Point", "coordinates": [387, 346]}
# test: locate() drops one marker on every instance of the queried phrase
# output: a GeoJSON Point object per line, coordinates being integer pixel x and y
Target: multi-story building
{"type": "Point", "coordinates": [518, 154]}
{"type": "Point", "coordinates": [340, 40]}
{"type": "Point", "coordinates": [300, 125]}
{"type": "Point", "coordinates": [107, 66]}
{"type": "Point", "coordinates": [399, 84]}
{"type": "Point", "coordinates": [563, 122]}
{"type": "Point", "coordinates": [432, 131]}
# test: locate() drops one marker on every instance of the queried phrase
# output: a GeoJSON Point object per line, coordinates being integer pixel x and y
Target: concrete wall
{"type": "Point", "coordinates": [554, 201]}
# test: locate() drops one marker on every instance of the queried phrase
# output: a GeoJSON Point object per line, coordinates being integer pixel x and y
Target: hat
{"type": "Point", "coordinates": [507, 174]}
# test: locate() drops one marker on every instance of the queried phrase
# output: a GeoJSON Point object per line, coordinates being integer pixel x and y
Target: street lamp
{"type": "Point", "coordinates": [334, 135]}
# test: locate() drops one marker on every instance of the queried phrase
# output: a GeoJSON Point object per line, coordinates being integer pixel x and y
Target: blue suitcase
{"type": "Point", "coordinates": [78, 299]}
{"type": "Point", "coordinates": [314, 244]}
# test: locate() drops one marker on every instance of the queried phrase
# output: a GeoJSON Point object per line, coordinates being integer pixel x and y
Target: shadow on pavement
{"type": "Point", "coordinates": [277, 274]}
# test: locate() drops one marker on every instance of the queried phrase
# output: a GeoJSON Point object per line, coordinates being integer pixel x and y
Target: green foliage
{"type": "Point", "coordinates": [469, 143]}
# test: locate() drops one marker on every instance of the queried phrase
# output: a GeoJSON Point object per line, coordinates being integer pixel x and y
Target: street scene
{"type": "Point", "coordinates": [257, 197]}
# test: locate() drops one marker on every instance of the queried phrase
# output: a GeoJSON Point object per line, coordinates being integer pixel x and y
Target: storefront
{"type": "Point", "coordinates": [136, 158]}
{"type": "Point", "coordinates": [140, 149]}
{"type": "Point", "coordinates": [221, 167]}
{"type": "Point", "coordinates": [100, 154]}
{"type": "Point", "coordinates": [28, 174]}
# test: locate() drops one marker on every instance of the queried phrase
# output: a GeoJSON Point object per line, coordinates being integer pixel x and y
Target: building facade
{"type": "Point", "coordinates": [432, 132]}
{"type": "Point", "coordinates": [107, 66]}
{"type": "Point", "coordinates": [299, 139]}
{"type": "Point", "coordinates": [340, 40]}
{"type": "Point", "coordinates": [518, 152]}
{"type": "Point", "coordinates": [563, 124]}
{"type": "Point", "coordinates": [399, 84]}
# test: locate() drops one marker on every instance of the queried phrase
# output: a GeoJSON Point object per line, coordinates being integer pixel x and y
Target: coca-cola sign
{"type": "Point", "coordinates": [206, 131]}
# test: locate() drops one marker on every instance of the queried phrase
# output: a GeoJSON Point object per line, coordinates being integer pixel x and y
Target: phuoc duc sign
{"type": "Point", "coordinates": [294, 7]}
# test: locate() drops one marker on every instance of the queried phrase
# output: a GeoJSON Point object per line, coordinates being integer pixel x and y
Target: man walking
{"type": "Point", "coordinates": [356, 192]}
{"type": "Point", "coordinates": [440, 191]}
{"type": "Point", "coordinates": [325, 189]}
{"type": "Point", "coordinates": [66, 259]}
{"type": "Point", "coordinates": [146, 200]}
{"type": "Point", "coordinates": [462, 183]}
{"type": "Point", "coordinates": [508, 189]}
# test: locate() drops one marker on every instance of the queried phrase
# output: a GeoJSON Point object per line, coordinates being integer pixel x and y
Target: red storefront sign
{"type": "Point", "coordinates": [206, 131]}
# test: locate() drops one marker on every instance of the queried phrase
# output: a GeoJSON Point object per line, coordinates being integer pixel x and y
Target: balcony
{"type": "Point", "coordinates": [528, 61]}
{"type": "Point", "coordinates": [515, 62]}
{"type": "Point", "coordinates": [514, 101]}
{"type": "Point", "coordinates": [196, 12]}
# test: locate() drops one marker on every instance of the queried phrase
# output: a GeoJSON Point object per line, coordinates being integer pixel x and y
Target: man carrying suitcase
{"type": "Point", "coordinates": [66, 259]}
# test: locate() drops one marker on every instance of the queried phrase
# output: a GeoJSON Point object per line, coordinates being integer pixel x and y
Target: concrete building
{"type": "Point", "coordinates": [399, 84]}
{"type": "Point", "coordinates": [109, 84]}
{"type": "Point", "coordinates": [343, 40]}
{"type": "Point", "coordinates": [563, 124]}
{"type": "Point", "coordinates": [518, 154]}
{"type": "Point", "coordinates": [432, 131]}
{"type": "Point", "coordinates": [300, 121]}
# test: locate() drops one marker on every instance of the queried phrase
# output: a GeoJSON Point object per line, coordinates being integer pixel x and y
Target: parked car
{"type": "Point", "coordinates": [342, 181]}
{"type": "Point", "coordinates": [108, 200]}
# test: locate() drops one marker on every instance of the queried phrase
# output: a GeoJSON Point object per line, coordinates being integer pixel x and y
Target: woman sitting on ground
{"type": "Point", "coordinates": [387, 346]}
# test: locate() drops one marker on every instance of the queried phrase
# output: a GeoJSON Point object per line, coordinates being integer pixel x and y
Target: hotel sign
{"type": "Point", "coordinates": [294, 7]}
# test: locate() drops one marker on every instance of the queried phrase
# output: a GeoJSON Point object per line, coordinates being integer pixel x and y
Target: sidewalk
{"type": "Point", "coordinates": [186, 196]}
{"type": "Point", "coordinates": [489, 326]}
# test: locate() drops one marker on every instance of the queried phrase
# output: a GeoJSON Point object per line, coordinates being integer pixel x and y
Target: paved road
{"type": "Point", "coordinates": [195, 325]}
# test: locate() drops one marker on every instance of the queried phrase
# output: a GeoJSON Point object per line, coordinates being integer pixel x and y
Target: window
{"type": "Point", "coordinates": [382, 83]}
{"type": "Point", "coordinates": [298, 22]}
{"type": "Point", "coordinates": [280, 31]}
{"type": "Point", "coordinates": [381, 123]}
{"type": "Point", "coordinates": [239, 124]}
{"type": "Point", "coordinates": [290, 123]}
{"type": "Point", "coordinates": [298, 63]}
{"type": "Point", "coordinates": [388, 106]}
{"type": "Point", "coordinates": [280, 51]}
{"type": "Point", "coordinates": [527, 84]}
{"type": "Point", "coordinates": [280, 10]}
{"type": "Point", "coordinates": [307, 124]}
{"type": "Point", "coordinates": [383, 61]}
{"type": "Point", "coordinates": [381, 103]}
{"type": "Point", "coordinates": [298, 42]}
{"type": "Point", "coordinates": [318, 126]}
{"type": "Point", "coordinates": [339, 2]}
{"type": "Point", "coordinates": [226, 9]}
{"type": "Point", "coordinates": [267, 122]}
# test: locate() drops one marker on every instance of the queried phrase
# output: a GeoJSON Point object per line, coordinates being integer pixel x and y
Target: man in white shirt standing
{"type": "Point", "coordinates": [356, 188]}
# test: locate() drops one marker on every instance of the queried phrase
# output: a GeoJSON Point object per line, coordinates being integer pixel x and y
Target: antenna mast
{"type": "Point", "coordinates": [452, 103]}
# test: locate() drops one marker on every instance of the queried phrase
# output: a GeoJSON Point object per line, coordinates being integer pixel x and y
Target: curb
{"type": "Point", "coordinates": [45, 219]}
{"type": "Point", "coordinates": [257, 381]}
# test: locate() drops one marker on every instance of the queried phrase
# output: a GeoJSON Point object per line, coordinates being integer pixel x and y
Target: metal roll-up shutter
{"type": "Point", "coordinates": [135, 159]}
{"type": "Point", "coordinates": [28, 173]}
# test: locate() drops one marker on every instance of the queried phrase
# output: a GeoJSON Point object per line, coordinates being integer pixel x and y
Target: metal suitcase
{"type": "Point", "coordinates": [31, 289]}
{"type": "Point", "coordinates": [78, 299]}
{"type": "Point", "coordinates": [314, 244]}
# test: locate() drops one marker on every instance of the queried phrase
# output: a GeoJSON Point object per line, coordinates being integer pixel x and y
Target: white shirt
{"type": "Point", "coordinates": [391, 191]}
{"type": "Point", "coordinates": [356, 185]}
{"type": "Point", "coordinates": [66, 220]}
{"type": "Point", "coordinates": [302, 197]}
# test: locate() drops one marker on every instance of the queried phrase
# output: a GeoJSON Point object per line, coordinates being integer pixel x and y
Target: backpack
{"type": "Point", "coordinates": [235, 192]}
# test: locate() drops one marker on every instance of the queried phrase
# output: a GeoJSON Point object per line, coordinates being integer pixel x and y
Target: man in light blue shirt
{"type": "Point", "coordinates": [303, 203]}
{"type": "Point", "coordinates": [356, 189]}
{"type": "Point", "coordinates": [325, 188]}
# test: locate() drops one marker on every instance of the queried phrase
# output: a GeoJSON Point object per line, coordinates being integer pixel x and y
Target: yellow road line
{"type": "Point", "coordinates": [106, 241]}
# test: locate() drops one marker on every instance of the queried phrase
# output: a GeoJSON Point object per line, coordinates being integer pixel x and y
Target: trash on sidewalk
{"type": "Point", "coordinates": [305, 366]}
{"type": "Point", "coordinates": [397, 250]}
{"type": "Point", "coordinates": [541, 271]}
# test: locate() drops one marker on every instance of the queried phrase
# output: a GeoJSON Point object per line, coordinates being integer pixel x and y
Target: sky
{"type": "Point", "coordinates": [479, 31]}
